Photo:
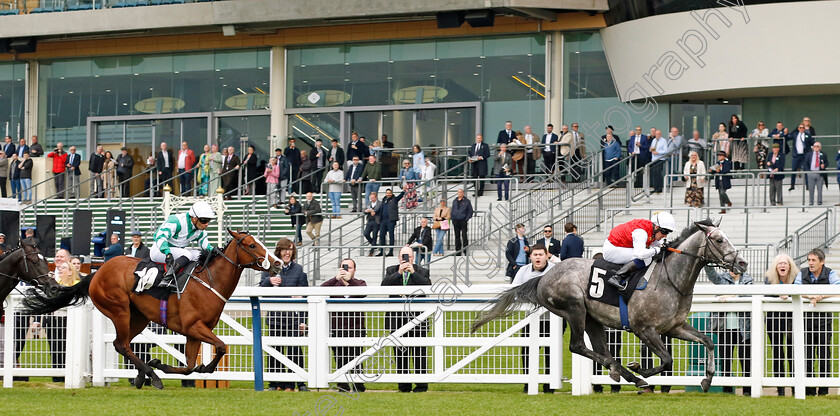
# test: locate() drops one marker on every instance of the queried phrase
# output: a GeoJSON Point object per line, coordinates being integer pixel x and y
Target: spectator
{"type": "Point", "coordinates": [35, 150]}
{"type": "Point", "coordinates": [532, 153]}
{"type": "Point", "coordinates": [305, 172]}
{"type": "Point", "coordinates": [73, 172]}
{"type": "Point", "coordinates": [572, 246]}
{"type": "Point", "coordinates": [802, 141]}
{"type": "Point", "coordinates": [230, 171]}
{"type": "Point", "coordinates": [696, 144]}
{"type": "Point", "coordinates": [422, 236]}
{"type": "Point", "coordinates": [659, 150]}
{"type": "Point", "coordinates": [29, 237]}
{"type": "Point", "coordinates": [612, 154]}
{"type": "Point", "coordinates": [335, 181]}
{"type": "Point", "coordinates": [408, 178]}
{"type": "Point", "coordinates": [347, 324]}
{"type": "Point", "coordinates": [695, 180]}
{"type": "Point", "coordinates": [740, 149]}
{"type": "Point", "coordinates": [477, 157]}
{"type": "Point", "coordinates": [462, 211]}
{"type": "Point", "coordinates": [673, 154]}
{"type": "Point", "coordinates": [777, 164]}
{"type": "Point", "coordinates": [185, 164]}
{"type": "Point", "coordinates": [390, 216]}
{"type": "Point", "coordinates": [22, 148]}
{"type": "Point", "coordinates": [319, 165]}
{"type": "Point", "coordinates": [407, 274]}
{"type": "Point", "coordinates": [294, 210]}
{"type": "Point", "coordinates": [356, 148]}
{"type": "Point", "coordinates": [9, 147]}
{"type": "Point", "coordinates": [336, 153]}
{"type": "Point", "coordinates": [272, 179]}
{"type": "Point", "coordinates": [373, 217]}
{"type": "Point", "coordinates": [501, 171]}
{"type": "Point", "coordinates": [518, 155]}
{"type": "Point", "coordinates": [441, 226]}
{"type": "Point", "coordinates": [816, 161]}
{"type": "Point", "coordinates": [292, 153]}
{"type": "Point", "coordinates": [387, 145]}
{"type": "Point", "coordinates": [806, 121]}
{"type": "Point", "coordinates": [14, 176]}
{"type": "Point", "coordinates": [353, 176]}
{"type": "Point", "coordinates": [721, 171]}
{"type": "Point", "coordinates": [760, 135]}
{"type": "Point", "coordinates": [165, 165]}
{"type": "Point", "coordinates": [779, 325]}
{"type": "Point", "coordinates": [125, 167]}
{"type": "Point", "coordinates": [4, 173]}
{"type": "Point", "coordinates": [516, 252]}
{"type": "Point", "coordinates": [549, 152]}
{"type": "Point", "coordinates": [818, 325]}
{"type": "Point", "coordinates": [2, 241]}
{"type": "Point", "coordinates": [203, 172]}
{"type": "Point", "coordinates": [216, 162]}
{"type": "Point", "coordinates": [285, 174]}
{"type": "Point", "coordinates": [538, 267]}
{"type": "Point", "coordinates": [109, 174]}
{"type": "Point", "coordinates": [314, 219]}
{"type": "Point", "coordinates": [732, 328]}
{"type": "Point", "coordinates": [137, 248]}
{"type": "Point", "coordinates": [249, 171]}
{"type": "Point", "coordinates": [566, 144]}
{"type": "Point", "coordinates": [286, 323]}
{"type": "Point", "coordinates": [77, 263]}
{"type": "Point", "coordinates": [419, 160]}
{"type": "Point", "coordinates": [579, 153]}
{"type": "Point", "coordinates": [552, 245]}
{"type": "Point", "coordinates": [115, 249]}
{"type": "Point", "coordinates": [721, 140]}
{"type": "Point", "coordinates": [780, 136]}
{"type": "Point", "coordinates": [25, 166]}
{"type": "Point", "coordinates": [638, 147]}
{"type": "Point", "coordinates": [372, 175]}
{"type": "Point", "coordinates": [507, 135]}
{"type": "Point", "coordinates": [59, 157]}
{"type": "Point", "coordinates": [428, 178]}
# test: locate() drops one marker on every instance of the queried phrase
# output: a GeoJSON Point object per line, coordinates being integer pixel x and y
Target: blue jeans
{"type": "Point", "coordinates": [335, 198]}
{"type": "Point", "coordinates": [16, 189]}
{"type": "Point", "coordinates": [370, 187]}
{"type": "Point", "coordinates": [26, 188]}
{"type": "Point", "coordinates": [439, 236]}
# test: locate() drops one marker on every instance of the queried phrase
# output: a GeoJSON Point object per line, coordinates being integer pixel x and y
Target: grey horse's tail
{"type": "Point", "coordinates": [504, 302]}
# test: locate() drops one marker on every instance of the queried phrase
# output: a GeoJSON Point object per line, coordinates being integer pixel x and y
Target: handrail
{"type": "Point", "coordinates": [54, 196]}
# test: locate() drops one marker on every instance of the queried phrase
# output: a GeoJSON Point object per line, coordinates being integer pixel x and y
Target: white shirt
{"type": "Point", "coordinates": [800, 143]}
{"type": "Point", "coordinates": [637, 148]}
{"type": "Point", "coordinates": [165, 158]}
{"type": "Point", "coordinates": [527, 272]}
{"type": "Point", "coordinates": [529, 139]}
{"type": "Point", "coordinates": [182, 159]}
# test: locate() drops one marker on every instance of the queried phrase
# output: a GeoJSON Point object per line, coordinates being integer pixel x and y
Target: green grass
{"type": "Point", "coordinates": [42, 398]}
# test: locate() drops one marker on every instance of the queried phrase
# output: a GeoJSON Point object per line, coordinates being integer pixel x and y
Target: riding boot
{"type": "Point", "coordinates": [619, 279]}
{"type": "Point", "coordinates": [169, 279]}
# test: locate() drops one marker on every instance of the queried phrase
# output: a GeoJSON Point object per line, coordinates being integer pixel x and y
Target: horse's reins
{"type": "Point", "coordinates": [701, 257]}
{"type": "Point", "coordinates": [256, 262]}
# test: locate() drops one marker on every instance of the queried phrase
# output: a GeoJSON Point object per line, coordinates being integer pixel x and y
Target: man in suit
{"type": "Point", "coordinates": [722, 183]}
{"type": "Point", "coordinates": [478, 155]}
{"type": "Point", "coordinates": [95, 164]}
{"type": "Point", "coordinates": [802, 142]}
{"type": "Point", "coordinates": [318, 156]}
{"type": "Point", "coordinates": [165, 164]}
{"type": "Point", "coordinates": [293, 156]}
{"type": "Point", "coordinates": [22, 148]}
{"type": "Point", "coordinates": [550, 140]}
{"type": "Point", "coordinates": [779, 135]}
{"type": "Point", "coordinates": [507, 135]}
{"type": "Point", "coordinates": [422, 235]}
{"type": "Point", "coordinates": [638, 147]}
{"type": "Point", "coordinates": [186, 161]}
{"type": "Point", "coordinates": [659, 150]}
{"type": "Point", "coordinates": [572, 246]}
{"type": "Point", "coordinates": [336, 153]}
{"type": "Point", "coordinates": [776, 163]}
{"type": "Point", "coordinates": [373, 217]}
{"type": "Point", "coordinates": [353, 176]}
{"type": "Point", "coordinates": [516, 252]}
{"type": "Point", "coordinates": [356, 147]}
{"type": "Point", "coordinates": [9, 147]}
{"type": "Point", "coordinates": [137, 248]}
{"type": "Point", "coordinates": [230, 166]}
{"type": "Point", "coordinates": [816, 161]}
{"type": "Point", "coordinates": [73, 162]}
{"type": "Point", "coordinates": [552, 246]}
{"type": "Point", "coordinates": [125, 167]}
{"type": "Point", "coordinates": [579, 147]}
{"type": "Point", "coordinates": [390, 216]}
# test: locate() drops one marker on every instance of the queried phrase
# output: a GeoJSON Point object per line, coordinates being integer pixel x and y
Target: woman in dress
{"type": "Point", "coordinates": [694, 185]}
{"type": "Point", "coordinates": [409, 184]}
{"type": "Point", "coordinates": [760, 135]}
{"type": "Point", "coordinates": [215, 169]}
{"type": "Point", "coordinates": [721, 140]}
{"type": "Point", "coordinates": [110, 175]}
{"type": "Point", "coordinates": [441, 226]}
{"type": "Point", "coordinates": [740, 149]}
{"type": "Point", "coordinates": [204, 171]}
{"type": "Point", "coordinates": [779, 325]}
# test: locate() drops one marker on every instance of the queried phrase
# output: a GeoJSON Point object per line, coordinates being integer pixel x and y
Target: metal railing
{"type": "Point", "coordinates": [817, 233]}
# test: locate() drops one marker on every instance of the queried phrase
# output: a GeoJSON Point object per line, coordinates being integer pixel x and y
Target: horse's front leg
{"type": "Point", "coordinates": [651, 338]}
{"type": "Point", "coordinates": [689, 333]}
{"type": "Point", "coordinates": [204, 334]}
{"type": "Point", "coordinates": [190, 352]}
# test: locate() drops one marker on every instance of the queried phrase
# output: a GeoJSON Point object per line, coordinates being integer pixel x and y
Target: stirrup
{"type": "Point", "coordinates": [169, 281]}
{"type": "Point", "coordinates": [617, 283]}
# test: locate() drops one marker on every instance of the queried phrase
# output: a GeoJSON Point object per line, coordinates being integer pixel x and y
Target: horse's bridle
{"type": "Point", "coordinates": [719, 261]}
{"type": "Point", "coordinates": [26, 261]}
{"type": "Point", "coordinates": [259, 261]}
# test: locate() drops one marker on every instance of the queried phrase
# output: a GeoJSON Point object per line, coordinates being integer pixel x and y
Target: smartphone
{"type": "Point", "coordinates": [346, 267]}
{"type": "Point", "coordinates": [405, 258]}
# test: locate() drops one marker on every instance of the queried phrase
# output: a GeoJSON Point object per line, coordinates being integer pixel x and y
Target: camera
{"type": "Point", "coordinates": [405, 258]}
{"type": "Point", "coordinates": [345, 267]}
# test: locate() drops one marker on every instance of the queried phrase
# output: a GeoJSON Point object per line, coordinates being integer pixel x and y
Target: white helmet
{"type": "Point", "coordinates": [664, 220]}
{"type": "Point", "coordinates": [202, 209]}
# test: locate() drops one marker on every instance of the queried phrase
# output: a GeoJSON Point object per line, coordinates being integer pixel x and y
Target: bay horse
{"type": "Point", "coordinates": [194, 315]}
{"type": "Point", "coordinates": [25, 264]}
{"type": "Point", "coordinates": [662, 308]}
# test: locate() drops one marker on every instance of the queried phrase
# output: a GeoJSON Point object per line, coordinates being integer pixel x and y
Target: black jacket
{"type": "Point", "coordinates": [723, 182]}
{"type": "Point", "coordinates": [376, 218]}
{"type": "Point", "coordinates": [572, 247]}
{"type": "Point", "coordinates": [553, 245]}
{"type": "Point", "coordinates": [780, 165]}
{"type": "Point", "coordinates": [96, 162]}
{"type": "Point", "coordinates": [161, 164]}
{"type": "Point", "coordinates": [312, 210]}
{"type": "Point", "coordinates": [74, 163]}
{"type": "Point", "coordinates": [125, 165]}
{"type": "Point", "coordinates": [395, 320]}
{"type": "Point", "coordinates": [287, 322]}
{"type": "Point", "coordinates": [142, 251]}
{"type": "Point", "coordinates": [511, 252]}
{"type": "Point", "coordinates": [461, 210]}
{"type": "Point", "coordinates": [294, 210]}
{"type": "Point", "coordinates": [36, 150]}
{"type": "Point", "coordinates": [427, 237]}
{"type": "Point", "coordinates": [339, 156]}
{"type": "Point", "coordinates": [26, 168]}
{"type": "Point", "coordinates": [361, 150]}
{"type": "Point", "coordinates": [293, 155]}
{"type": "Point", "coordinates": [809, 141]}
{"type": "Point", "coordinates": [391, 204]}
{"type": "Point", "coordinates": [479, 167]}
{"type": "Point", "coordinates": [504, 138]}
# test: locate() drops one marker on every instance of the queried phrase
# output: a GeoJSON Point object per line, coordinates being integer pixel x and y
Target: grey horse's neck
{"type": "Point", "coordinates": [683, 269]}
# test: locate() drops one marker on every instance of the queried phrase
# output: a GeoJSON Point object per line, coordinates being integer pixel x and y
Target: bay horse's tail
{"type": "Point", "coordinates": [38, 302]}
{"type": "Point", "coordinates": [507, 300]}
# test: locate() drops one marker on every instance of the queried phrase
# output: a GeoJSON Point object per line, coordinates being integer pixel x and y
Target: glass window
{"type": "Point", "coordinates": [12, 91]}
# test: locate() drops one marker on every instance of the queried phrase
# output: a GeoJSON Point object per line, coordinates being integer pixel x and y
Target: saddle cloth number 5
{"type": "Point", "coordinates": [596, 283]}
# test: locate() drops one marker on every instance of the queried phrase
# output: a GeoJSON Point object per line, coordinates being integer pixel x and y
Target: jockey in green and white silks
{"type": "Point", "coordinates": [176, 234]}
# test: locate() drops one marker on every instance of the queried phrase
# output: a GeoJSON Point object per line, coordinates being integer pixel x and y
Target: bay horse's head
{"type": "Point", "coordinates": [719, 249]}
{"type": "Point", "coordinates": [27, 264]}
{"type": "Point", "coordinates": [252, 253]}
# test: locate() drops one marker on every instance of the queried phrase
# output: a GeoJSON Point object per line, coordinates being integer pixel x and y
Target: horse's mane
{"type": "Point", "coordinates": [686, 233]}
{"type": "Point", "coordinates": [208, 256]}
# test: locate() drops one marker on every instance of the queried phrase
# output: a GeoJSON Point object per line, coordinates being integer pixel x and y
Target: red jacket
{"type": "Point", "coordinates": [189, 161]}
{"type": "Point", "coordinates": [59, 162]}
{"type": "Point", "coordinates": [622, 236]}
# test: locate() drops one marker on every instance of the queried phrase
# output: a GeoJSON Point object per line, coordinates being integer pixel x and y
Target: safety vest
{"type": "Point", "coordinates": [622, 236]}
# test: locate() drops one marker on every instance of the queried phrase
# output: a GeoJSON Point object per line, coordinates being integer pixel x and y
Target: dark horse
{"type": "Point", "coordinates": [660, 309]}
{"type": "Point", "coordinates": [26, 264]}
{"type": "Point", "coordinates": [194, 315]}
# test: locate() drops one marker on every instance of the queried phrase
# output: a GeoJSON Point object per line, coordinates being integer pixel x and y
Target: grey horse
{"type": "Point", "coordinates": [661, 308]}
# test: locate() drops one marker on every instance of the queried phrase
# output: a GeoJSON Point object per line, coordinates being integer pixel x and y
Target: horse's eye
{"type": "Point", "coordinates": [720, 240]}
{"type": "Point", "coordinates": [253, 246]}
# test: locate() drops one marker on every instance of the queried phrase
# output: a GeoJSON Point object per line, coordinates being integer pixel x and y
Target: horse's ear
{"type": "Point", "coordinates": [231, 232]}
{"type": "Point", "coordinates": [702, 226]}
{"type": "Point", "coordinates": [717, 223]}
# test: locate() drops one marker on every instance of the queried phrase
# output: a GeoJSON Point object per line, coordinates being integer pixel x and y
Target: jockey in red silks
{"type": "Point", "coordinates": [634, 244]}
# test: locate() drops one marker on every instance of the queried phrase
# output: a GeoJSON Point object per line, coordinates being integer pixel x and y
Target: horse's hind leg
{"type": "Point", "coordinates": [127, 326]}
{"type": "Point", "coordinates": [598, 338]}
{"type": "Point", "coordinates": [651, 338]}
{"type": "Point", "coordinates": [138, 324]}
{"type": "Point", "coordinates": [689, 333]}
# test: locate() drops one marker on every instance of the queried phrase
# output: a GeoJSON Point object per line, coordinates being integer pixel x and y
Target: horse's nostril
{"type": "Point", "coordinates": [278, 264]}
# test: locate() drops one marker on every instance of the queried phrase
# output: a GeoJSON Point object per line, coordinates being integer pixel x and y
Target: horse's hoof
{"type": "Point", "coordinates": [615, 373]}
{"type": "Point", "coordinates": [646, 390]}
{"type": "Point", "coordinates": [139, 380]}
{"type": "Point", "coordinates": [642, 384]}
{"type": "Point", "coordinates": [634, 366]}
{"type": "Point", "coordinates": [155, 363]}
{"type": "Point", "coordinates": [199, 369]}
{"type": "Point", "coordinates": [705, 384]}
{"type": "Point", "coordinates": [156, 381]}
